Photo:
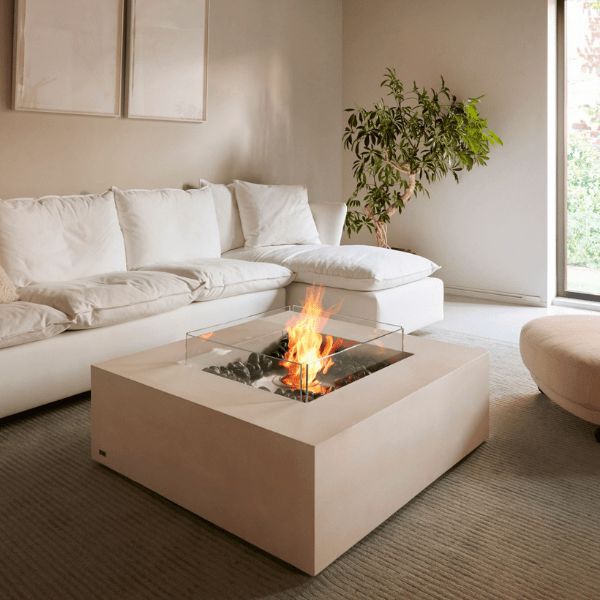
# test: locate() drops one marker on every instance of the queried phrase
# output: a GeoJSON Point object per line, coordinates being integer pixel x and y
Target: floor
{"type": "Point", "coordinates": [494, 320]}
{"type": "Point", "coordinates": [519, 519]}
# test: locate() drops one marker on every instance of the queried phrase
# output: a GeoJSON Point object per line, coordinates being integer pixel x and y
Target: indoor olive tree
{"type": "Point", "coordinates": [401, 147]}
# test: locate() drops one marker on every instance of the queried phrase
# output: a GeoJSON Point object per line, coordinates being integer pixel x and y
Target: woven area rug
{"type": "Point", "coordinates": [519, 518]}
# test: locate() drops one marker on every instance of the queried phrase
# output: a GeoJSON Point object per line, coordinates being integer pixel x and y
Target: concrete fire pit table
{"type": "Point", "coordinates": [304, 481]}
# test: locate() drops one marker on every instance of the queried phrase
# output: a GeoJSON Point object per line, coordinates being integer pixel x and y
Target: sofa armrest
{"type": "Point", "coordinates": [329, 219]}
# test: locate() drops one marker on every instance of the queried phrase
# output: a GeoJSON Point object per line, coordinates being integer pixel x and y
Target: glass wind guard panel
{"type": "Point", "coordinates": [257, 351]}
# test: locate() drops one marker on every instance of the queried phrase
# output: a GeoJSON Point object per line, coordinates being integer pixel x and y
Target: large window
{"type": "Point", "coordinates": [579, 110]}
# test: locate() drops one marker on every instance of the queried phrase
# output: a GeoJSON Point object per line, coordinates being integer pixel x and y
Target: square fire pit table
{"type": "Point", "coordinates": [302, 473]}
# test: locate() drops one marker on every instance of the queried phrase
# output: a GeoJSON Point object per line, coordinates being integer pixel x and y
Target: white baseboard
{"type": "Point", "coordinates": [508, 297]}
{"type": "Point", "coordinates": [576, 303]}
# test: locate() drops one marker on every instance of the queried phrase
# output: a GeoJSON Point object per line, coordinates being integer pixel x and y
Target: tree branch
{"type": "Point", "coordinates": [400, 168]}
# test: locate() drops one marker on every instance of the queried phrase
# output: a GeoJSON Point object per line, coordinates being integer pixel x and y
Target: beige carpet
{"type": "Point", "coordinates": [519, 518]}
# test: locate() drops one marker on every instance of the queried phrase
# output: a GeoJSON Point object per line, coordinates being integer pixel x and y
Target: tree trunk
{"type": "Point", "coordinates": [380, 226]}
{"type": "Point", "coordinates": [381, 234]}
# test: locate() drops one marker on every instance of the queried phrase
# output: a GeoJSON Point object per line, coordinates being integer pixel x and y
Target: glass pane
{"type": "Point", "coordinates": [259, 351]}
{"type": "Point", "coordinates": [582, 112]}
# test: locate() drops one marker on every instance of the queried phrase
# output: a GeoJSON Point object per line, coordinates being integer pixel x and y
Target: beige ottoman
{"type": "Point", "coordinates": [563, 355]}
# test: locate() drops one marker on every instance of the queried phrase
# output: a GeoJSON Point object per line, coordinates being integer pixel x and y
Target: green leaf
{"type": "Point", "coordinates": [428, 133]}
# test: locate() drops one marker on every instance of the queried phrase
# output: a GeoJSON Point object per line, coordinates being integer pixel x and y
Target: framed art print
{"type": "Point", "coordinates": [69, 56]}
{"type": "Point", "coordinates": [167, 58]}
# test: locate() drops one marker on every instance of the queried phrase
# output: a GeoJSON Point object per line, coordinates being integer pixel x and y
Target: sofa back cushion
{"type": "Point", "coordinates": [330, 220]}
{"type": "Point", "coordinates": [58, 238]}
{"type": "Point", "coordinates": [167, 225]}
{"type": "Point", "coordinates": [273, 215]}
{"type": "Point", "coordinates": [228, 215]}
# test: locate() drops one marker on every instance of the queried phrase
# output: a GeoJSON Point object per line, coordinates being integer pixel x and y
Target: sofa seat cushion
{"type": "Point", "coordinates": [167, 225]}
{"type": "Point", "coordinates": [363, 268]}
{"type": "Point", "coordinates": [60, 238]}
{"type": "Point", "coordinates": [23, 322]}
{"type": "Point", "coordinates": [113, 298]}
{"type": "Point", "coordinates": [220, 278]}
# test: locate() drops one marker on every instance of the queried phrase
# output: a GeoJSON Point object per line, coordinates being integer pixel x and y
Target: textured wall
{"type": "Point", "coordinates": [274, 98]}
{"type": "Point", "coordinates": [493, 231]}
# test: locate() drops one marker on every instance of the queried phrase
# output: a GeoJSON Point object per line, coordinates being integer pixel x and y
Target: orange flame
{"type": "Point", "coordinates": [307, 346]}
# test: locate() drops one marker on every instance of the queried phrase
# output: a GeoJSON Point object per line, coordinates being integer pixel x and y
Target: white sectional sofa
{"type": "Point", "coordinates": [99, 276]}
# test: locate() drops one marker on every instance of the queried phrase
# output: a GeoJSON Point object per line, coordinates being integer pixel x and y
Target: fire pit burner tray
{"type": "Point", "coordinates": [254, 351]}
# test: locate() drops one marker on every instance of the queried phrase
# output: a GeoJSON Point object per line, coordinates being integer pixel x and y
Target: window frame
{"type": "Point", "coordinates": [561, 161]}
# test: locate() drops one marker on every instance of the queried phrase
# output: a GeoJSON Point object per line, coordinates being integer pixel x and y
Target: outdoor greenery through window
{"type": "Point", "coordinates": [582, 137]}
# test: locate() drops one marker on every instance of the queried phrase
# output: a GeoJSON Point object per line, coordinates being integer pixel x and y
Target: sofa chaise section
{"type": "Point", "coordinates": [388, 286]}
{"type": "Point", "coordinates": [381, 284]}
{"type": "Point", "coordinates": [412, 306]}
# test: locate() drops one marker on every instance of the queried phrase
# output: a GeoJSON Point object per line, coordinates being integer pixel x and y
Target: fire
{"type": "Point", "coordinates": [307, 346]}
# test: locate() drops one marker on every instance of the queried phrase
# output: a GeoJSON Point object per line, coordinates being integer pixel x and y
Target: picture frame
{"type": "Point", "coordinates": [57, 45]}
{"type": "Point", "coordinates": [167, 58]}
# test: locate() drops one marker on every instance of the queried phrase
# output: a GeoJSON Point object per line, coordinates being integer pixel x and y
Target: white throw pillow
{"type": "Point", "coordinates": [22, 322]}
{"type": "Point", "coordinates": [221, 278]}
{"type": "Point", "coordinates": [113, 298]}
{"type": "Point", "coordinates": [362, 268]}
{"type": "Point", "coordinates": [228, 215]}
{"type": "Point", "coordinates": [167, 225]}
{"type": "Point", "coordinates": [275, 214]}
{"type": "Point", "coordinates": [58, 238]}
{"type": "Point", "coordinates": [8, 291]}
